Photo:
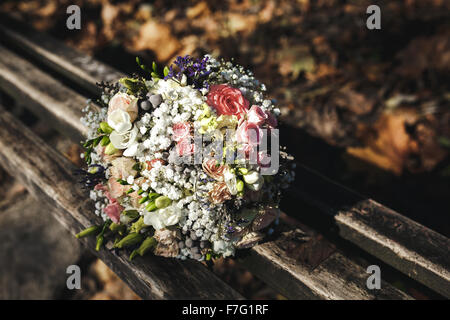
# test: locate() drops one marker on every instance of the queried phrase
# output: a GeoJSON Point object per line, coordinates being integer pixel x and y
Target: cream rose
{"type": "Point", "coordinates": [124, 102]}
{"type": "Point", "coordinates": [120, 121]}
{"type": "Point", "coordinates": [122, 168]}
{"type": "Point", "coordinates": [123, 140]}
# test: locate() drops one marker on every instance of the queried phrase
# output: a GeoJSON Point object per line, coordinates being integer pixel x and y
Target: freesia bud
{"type": "Point", "coordinates": [130, 240]}
{"type": "Point", "coordinates": [94, 230]}
{"type": "Point", "coordinates": [110, 149]}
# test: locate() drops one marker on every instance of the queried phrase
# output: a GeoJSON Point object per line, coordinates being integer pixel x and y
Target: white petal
{"type": "Point", "coordinates": [131, 150]}
{"type": "Point", "coordinates": [252, 177]}
{"type": "Point", "coordinates": [119, 120]}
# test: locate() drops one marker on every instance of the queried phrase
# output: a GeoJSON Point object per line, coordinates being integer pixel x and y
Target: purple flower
{"type": "Point", "coordinates": [194, 69]}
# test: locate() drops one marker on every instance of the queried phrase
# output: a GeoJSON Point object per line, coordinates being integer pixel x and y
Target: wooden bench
{"type": "Point", "coordinates": [52, 81]}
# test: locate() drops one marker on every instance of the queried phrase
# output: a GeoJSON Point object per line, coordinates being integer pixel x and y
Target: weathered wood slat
{"type": "Point", "coordinates": [320, 270]}
{"type": "Point", "coordinates": [268, 254]}
{"type": "Point", "coordinates": [20, 79]}
{"type": "Point", "coordinates": [413, 249]}
{"type": "Point", "coordinates": [80, 68]}
{"type": "Point", "coordinates": [408, 246]}
{"type": "Point", "coordinates": [48, 175]}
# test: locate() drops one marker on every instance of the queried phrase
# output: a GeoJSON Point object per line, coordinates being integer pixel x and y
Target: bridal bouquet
{"type": "Point", "coordinates": [187, 163]}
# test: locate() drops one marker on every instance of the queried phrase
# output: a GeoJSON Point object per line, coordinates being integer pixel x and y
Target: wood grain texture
{"type": "Point", "coordinates": [48, 176]}
{"type": "Point", "coordinates": [79, 67]}
{"type": "Point", "coordinates": [24, 82]}
{"type": "Point", "coordinates": [406, 245]}
{"type": "Point", "coordinates": [303, 265]}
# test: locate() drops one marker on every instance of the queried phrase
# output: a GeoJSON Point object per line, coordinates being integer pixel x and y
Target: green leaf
{"type": "Point", "coordinates": [97, 141]}
{"type": "Point", "coordinates": [137, 166]}
{"type": "Point", "coordinates": [166, 71]}
{"type": "Point", "coordinates": [133, 85]}
{"type": "Point", "coordinates": [123, 182]}
{"type": "Point", "coordinates": [88, 143]}
{"type": "Point", "coordinates": [154, 67]}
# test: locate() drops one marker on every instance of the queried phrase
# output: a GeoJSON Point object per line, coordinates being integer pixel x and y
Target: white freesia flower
{"type": "Point", "coordinates": [132, 150]}
{"type": "Point", "coordinates": [119, 120]}
{"type": "Point", "coordinates": [164, 217]}
{"type": "Point", "coordinates": [230, 180]}
{"type": "Point", "coordinates": [123, 140]}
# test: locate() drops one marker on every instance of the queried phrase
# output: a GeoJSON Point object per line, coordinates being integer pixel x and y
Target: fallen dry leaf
{"type": "Point", "coordinates": [157, 37]}
{"type": "Point", "coordinates": [387, 144]}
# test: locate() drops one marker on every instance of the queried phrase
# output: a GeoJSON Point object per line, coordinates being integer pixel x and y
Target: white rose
{"type": "Point", "coordinates": [123, 140]}
{"type": "Point", "coordinates": [119, 120]}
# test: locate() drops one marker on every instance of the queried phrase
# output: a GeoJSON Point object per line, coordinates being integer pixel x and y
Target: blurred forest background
{"type": "Point", "coordinates": [368, 108]}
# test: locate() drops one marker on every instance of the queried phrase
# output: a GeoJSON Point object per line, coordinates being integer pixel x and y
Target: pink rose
{"type": "Point", "coordinates": [124, 102]}
{"type": "Point", "coordinates": [185, 147]}
{"type": "Point", "coordinates": [271, 120]}
{"type": "Point", "coordinates": [248, 133]}
{"type": "Point", "coordinates": [227, 100]}
{"type": "Point", "coordinates": [256, 115]}
{"type": "Point", "coordinates": [113, 211]}
{"type": "Point", "coordinates": [181, 130]}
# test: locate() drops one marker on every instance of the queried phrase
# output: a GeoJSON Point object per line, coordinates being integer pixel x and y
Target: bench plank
{"type": "Point", "coordinates": [80, 68]}
{"type": "Point", "coordinates": [425, 259]}
{"type": "Point", "coordinates": [23, 81]}
{"type": "Point", "coordinates": [408, 246]}
{"type": "Point", "coordinates": [321, 270]}
{"type": "Point", "coordinates": [272, 255]}
{"type": "Point", "coordinates": [48, 175]}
